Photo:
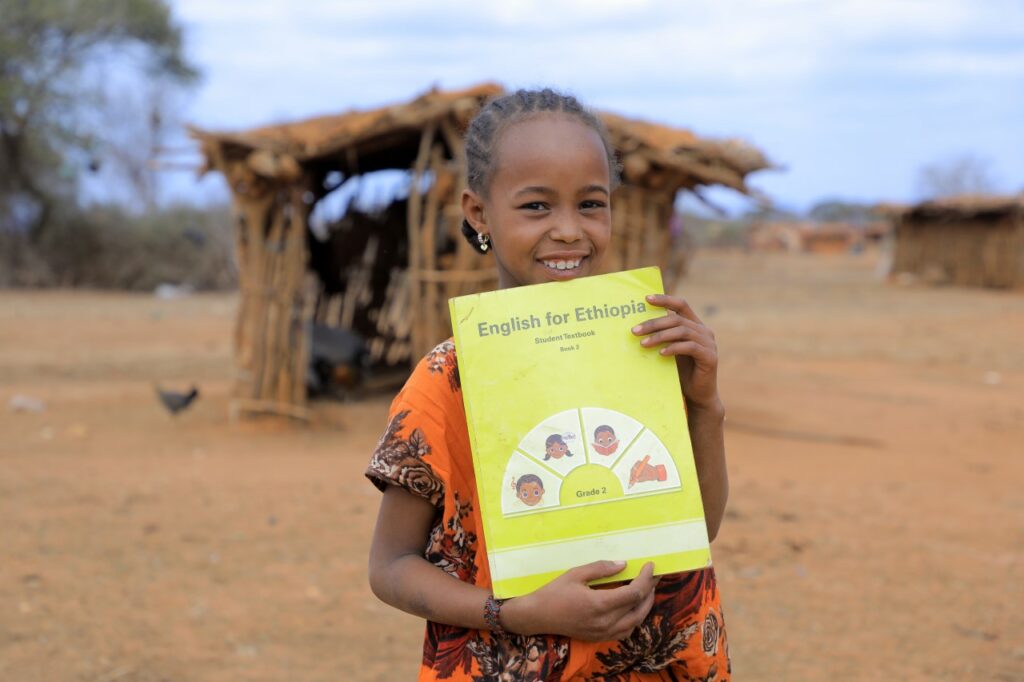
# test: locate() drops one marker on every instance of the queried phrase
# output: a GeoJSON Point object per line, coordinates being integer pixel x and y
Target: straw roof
{"type": "Point", "coordinates": [698, 161]}
{"type": "Point", "coordinates": [388, 137]}
{"type": "Point", "coordinates": [966, 206]}
{"type": "Point", "coordinates": [326, 135]}
{"type": "Point", "coordinates": [375, 139]}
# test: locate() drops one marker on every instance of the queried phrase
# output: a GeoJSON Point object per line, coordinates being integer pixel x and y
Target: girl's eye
{"type": "Point", "coordinates": [591, 204]}
{"type": "Point", "coordinates": [535, 206]}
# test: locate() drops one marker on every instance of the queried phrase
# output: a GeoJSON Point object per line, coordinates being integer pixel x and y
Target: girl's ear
{"type": "Point", "coordinates": [473, 210]}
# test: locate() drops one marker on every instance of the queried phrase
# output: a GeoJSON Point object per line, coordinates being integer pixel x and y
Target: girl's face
{"type": "Point", "coordinates": [530, 493]}
{"type": "Point", "coordinates": [558, 450]}
{"type": "Point", "coordinates": [548, 208]}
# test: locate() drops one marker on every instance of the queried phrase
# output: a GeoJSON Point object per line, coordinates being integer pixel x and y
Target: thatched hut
{"type": "Point", "coordinates": [965, 240]}
{"type": "Point", "coordinates": [384, 279]}
{"type": "Point", "coordinates": [831, 237]}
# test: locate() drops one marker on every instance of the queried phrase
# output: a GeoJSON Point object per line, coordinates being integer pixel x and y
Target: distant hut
{"type": "Point", "coordinates": [827, 237]}
{"type": "Point", "coordinates": [831, 238]}
{"type": "Point", "coordinates": [775, 236]}
{"type": "Point", "coordinates": [381, 281]}
{"type": "Point", "coordinates": [965, 240]}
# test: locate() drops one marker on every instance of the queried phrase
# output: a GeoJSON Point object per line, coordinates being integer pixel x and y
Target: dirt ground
{"type": "Point", "coordinates": [875, 527]}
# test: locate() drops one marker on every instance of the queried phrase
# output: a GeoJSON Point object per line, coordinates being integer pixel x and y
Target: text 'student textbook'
{"type": "Point", "coordinates": [579, 436]}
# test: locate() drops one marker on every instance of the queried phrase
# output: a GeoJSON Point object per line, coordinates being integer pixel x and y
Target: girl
{"type": "Point", "coordinates": [555, 447]}
{"type": "Point", "coordinates": [541, 173]}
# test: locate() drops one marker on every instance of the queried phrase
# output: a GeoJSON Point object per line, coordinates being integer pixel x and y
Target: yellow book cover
{"type": "Point", "coordinates": [580, 444]}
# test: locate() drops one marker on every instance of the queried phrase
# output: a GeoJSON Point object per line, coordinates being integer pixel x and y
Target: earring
{"type": "Point", "coordinates": [484, 240]}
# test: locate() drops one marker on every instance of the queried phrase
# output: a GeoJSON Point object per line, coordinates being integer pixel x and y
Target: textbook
{"type": "Point", "coordinates": [579, 437]}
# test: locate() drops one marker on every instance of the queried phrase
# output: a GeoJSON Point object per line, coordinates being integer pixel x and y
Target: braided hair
{"type": "Point", "coordinates": [498, 114]}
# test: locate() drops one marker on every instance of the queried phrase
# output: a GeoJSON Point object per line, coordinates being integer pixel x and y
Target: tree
{"type": "Point", "coordinates": [137, 121]}
{"type": "Point", "coordinates": [47, 47]}
{"type": "Point", "coordinates": [838, 210]}
{"type": "Point", "coordinates": [965, 174]}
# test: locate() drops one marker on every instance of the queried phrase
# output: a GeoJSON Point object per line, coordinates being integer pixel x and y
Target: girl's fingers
{"type": "Point", "coordinates": [623, 599]}
{"type": "Point", "coordinates": [628, 621]}
{"type": "Point", "coordinates": [595, 570]}
{"type": "Point", "coordinates": [678, 333]}
{"type": "Point", "coordinates": [664, 322]}
{"type": "Point", "coordinates": [695, 350]}
{"type": "Point", "coordinates": [637, 615]}
{"type": "Point", "coordinates": [631, 595]}
{"type": "Point", "coordinates": [675, 304]}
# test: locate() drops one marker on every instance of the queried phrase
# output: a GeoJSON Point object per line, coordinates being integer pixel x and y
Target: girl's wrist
{"type": "Point", "coordinates": [714, 409]}
{"type": "Point", "coordinates": [517, 616]}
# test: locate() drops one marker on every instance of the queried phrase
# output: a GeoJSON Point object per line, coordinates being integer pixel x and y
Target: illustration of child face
{"type": "Point", "coordinates": [530, 493]}
{"type": "Point", "coordinates": [605, 442]}
{"type": "Point", "coordinates": [557, 450]}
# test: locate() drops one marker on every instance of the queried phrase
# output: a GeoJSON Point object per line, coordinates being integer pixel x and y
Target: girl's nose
{"type": "Point", "coordinates": [566, 229]}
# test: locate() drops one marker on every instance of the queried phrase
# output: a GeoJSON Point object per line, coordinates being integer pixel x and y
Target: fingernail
{"type": "Point", "coordinates": [650, 297]}
{"type": "Point", "coordinates": [636, 329]}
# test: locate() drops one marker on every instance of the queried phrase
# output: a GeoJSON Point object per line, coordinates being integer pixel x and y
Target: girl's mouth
{"type": "Point", "coordinates": [565, 266]}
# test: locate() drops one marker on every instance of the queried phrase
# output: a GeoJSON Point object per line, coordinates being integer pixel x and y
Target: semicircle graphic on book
{"type": "Point", "coordinates": [585, 456]}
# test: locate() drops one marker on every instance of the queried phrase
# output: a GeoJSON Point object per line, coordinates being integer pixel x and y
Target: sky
{"type": "Point", "coordinates": [849, 97]}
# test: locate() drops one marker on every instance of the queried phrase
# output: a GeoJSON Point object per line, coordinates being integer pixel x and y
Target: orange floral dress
{"type": "Point", "coordinates": [425, 449]}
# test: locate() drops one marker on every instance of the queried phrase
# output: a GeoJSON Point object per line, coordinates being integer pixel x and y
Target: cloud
{"type": "Point", "coordinates": [779, 72]}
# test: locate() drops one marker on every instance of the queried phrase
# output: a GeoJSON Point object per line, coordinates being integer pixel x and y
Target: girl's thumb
{"type": "Point", "coordinates": [599, 569]}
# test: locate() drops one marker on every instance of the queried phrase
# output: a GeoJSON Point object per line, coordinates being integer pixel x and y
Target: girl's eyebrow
{"type": "Point", "coordinates": [540, 189]}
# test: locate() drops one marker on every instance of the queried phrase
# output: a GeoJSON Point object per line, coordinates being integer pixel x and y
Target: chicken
{"type": "Point", "coordinates": [176, 402]}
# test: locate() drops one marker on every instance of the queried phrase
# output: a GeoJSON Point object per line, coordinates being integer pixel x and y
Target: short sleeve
{"type": "Point", "coordinates": [414, 452]}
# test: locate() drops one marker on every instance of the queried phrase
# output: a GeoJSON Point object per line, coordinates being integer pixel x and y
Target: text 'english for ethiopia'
{"type": "Point", "coordinates": [552, 319]}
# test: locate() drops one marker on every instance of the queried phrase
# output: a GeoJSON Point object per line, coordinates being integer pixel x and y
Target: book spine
{"type": "Point", "coordinates": [467, 403]}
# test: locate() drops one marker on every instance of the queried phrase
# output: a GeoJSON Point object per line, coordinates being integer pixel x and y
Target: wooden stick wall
{"type": "Point", "coordinates": [280, 298]}
{"type": "Point", "coordinates": [963, 251]}
{"type": "Point", "coordinates": [271, 338]}
{"type": "Point", "coordinates": [435, 216]}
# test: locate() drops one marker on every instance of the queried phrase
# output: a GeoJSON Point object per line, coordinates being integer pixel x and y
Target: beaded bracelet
{"type": "Point", "coordinates": [492, 614]}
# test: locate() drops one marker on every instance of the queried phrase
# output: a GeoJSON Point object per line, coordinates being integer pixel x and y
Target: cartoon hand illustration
{"type": "Point", "coordinates": [642, 472]}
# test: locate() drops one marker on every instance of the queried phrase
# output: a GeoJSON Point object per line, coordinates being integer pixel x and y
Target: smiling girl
{"type": "Point", "coordinates": [555, 447]}
{"type": "Point", "coordinates": [541, 172]}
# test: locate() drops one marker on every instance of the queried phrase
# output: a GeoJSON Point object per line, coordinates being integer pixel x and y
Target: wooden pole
{"type": "Point", "coordinates": [415, 216]}
{"type": "Point", "coordinates": [432, 314]}
{"type": "Point", "coordinates": [276, 312]}
{"type": "Point", "coordinates": [292, 389]}
{"type": "Point", "coordinates": [257, 213]}
{"type": "Point", "coordinates": [634, 230]}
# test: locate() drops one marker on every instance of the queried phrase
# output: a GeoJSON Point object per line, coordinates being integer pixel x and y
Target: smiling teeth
{"type": "Point", "coordinates": [562, 264]}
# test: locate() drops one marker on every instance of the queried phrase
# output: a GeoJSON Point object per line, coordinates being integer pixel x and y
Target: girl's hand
{"type": "Point", "coordinates": [568, 606]}
{"type": "Point", "coordinates": [692, 344]}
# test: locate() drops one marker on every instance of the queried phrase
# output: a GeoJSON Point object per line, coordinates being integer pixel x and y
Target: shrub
{"type": "Point", "coordinates": [106, 247]}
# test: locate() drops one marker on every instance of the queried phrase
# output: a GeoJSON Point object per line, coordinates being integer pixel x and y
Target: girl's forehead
{"type": "Point", "coordinates": [547, 144]}
{"type": "Point", "coordinates": [544, 131]}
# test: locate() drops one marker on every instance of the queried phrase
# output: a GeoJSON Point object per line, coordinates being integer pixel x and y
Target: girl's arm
{"type": "Point", "coordinates": [706, 434]}
{"type": "Point", "coordinates": [403, 578]}
{"type": "Point", "coordinates": [680, 333]}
